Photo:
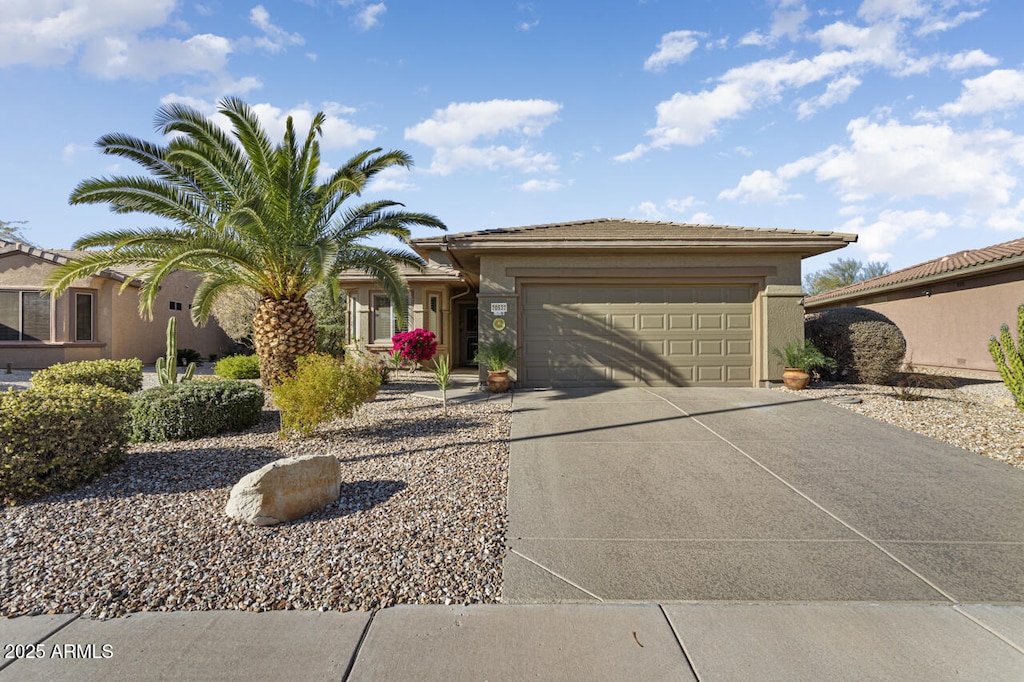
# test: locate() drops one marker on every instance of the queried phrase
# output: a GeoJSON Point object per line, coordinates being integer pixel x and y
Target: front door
{"type": "Point", "coordinates": [468, 334]}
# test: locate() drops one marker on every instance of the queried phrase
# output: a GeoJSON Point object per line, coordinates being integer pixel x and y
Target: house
{"type": "Point", "coordinates": [90, 320]}
{"type": "Point", "coordinates": [947, 308]}
{"type": "Point", "coordinates": [615, 302]}
{"type": "Point", "coordinates": [437, 296]}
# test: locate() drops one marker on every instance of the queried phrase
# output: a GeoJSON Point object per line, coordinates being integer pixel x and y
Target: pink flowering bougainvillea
{"type": "Point", "coordinates": [418, 345]}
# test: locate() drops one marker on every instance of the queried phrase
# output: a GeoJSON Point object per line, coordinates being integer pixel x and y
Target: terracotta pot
{"type": "Point", "coordinates": [498, 382]}
{"type": "Point", "coordinates": [795, 378]}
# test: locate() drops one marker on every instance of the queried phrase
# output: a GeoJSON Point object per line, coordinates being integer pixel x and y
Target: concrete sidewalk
{"type": "Point", "coordinates": [693, 641]}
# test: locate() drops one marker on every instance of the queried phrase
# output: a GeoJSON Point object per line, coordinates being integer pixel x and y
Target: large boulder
{"type": "Point", "coordinates": [285, 490]}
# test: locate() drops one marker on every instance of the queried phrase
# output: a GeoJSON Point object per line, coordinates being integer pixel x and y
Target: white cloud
{"type": "Point", "coordinates": [525, 26]}
{"type": "Point", "coordinates": [970, 60]}
{"type": "Point", "coordinates": [788, 19]}
{"type": "Point", "coordinates": [691, 118]}
{"type": "Point", "coordinates": [540, 186]}
{"type": "Point", "coordinates": [702, 218]}
{"type": "Point", "coordinates": [393, 179]}
{"type": "Point", "coordinates": [274, 38]}
{"type": "Point", "coordinates": [674, 48]}
{"type": "Point", "coordinates": [648, 209]}
{"type": "Point", "coordinates": [901, 161]}
{"type": "Point", "coordinates": [681, 205]}
{"type": "Point", "coordinates": [338, 130]}
{"type": "Point", "coordinates": [836, 92]}
{"type": "Point", "coordinates": [70, 151]}
{"type": "Point", "coordinates": [892, 227]}
{"type": "Point", "coordinates": [55, 31]}
{"type": "Point", "coordinates": [942, 24]}
{"type": "Point", "coordinates": [454, 133]}
{"type": "Point", "coordinates": [370, 16]}
{"type": "Point", "coordinates": [130, 58]}
{"type": "Point", "coordinates": [761, 186]}
{"type": "Point", "coordinates": [754, 38]}
{"type": "Point", "coordinates": [1008, 218]}
{"type": "Point", "coordinates": [996, 90]}
{"type": "Point", "coordinates": [449, 159]}
{"type": "Point", "coordinates": [463, 122]}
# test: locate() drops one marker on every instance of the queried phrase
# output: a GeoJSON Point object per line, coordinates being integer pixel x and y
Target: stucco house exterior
{"type": "Point", "coordinates": [616, 302]}
{"type": "Point", "coordinates": [91, 320]}
{"type": "Point", "coordinates": [948, 307]}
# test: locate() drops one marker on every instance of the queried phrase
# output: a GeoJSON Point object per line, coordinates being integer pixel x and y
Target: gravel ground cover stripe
{"type": "Point", "coordinates": [421, 519]}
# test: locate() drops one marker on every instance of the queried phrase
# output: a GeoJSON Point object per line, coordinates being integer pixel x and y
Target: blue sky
{"type": "Point", "coordinates": [896, 119]}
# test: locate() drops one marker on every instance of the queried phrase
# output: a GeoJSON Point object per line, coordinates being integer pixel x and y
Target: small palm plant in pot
{"type": "Point", "coordinates": [497, 356]}
{"type": "Point", "coordinates": [801, 358]}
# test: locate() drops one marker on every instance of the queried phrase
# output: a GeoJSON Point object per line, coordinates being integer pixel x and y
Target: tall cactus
{"type": "Point", "coordinates": [1009, 357]}
{"type": "Point", "coordinates": [167, 367]}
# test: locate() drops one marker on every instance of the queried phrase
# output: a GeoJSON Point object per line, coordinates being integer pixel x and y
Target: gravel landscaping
{"type": "Point", "coordinates": [976, 412]}
{"type": "Point", "coordinates": [421, 519]}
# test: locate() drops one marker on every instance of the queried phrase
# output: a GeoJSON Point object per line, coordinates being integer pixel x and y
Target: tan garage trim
{"type": "Point", "coordinates": [637, 334]}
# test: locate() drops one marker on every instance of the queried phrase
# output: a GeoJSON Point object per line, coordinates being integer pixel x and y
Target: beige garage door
{"type": "Point", "coordinates": [637, 335]}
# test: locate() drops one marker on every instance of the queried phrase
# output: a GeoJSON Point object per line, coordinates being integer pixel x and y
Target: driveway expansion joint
{"type": "Point", "coordinates": [804, 495]}
{"type": "Point", "coordinates": [557, 575]}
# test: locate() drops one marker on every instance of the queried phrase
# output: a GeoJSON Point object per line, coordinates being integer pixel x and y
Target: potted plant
{"type": "Point", "coordinates": [800, 358]}
{"type": "Point", "coordinates": [497, 356]}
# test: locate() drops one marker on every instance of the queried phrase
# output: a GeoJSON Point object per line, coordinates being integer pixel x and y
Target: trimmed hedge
{"type": "Point", "coordinates": [238, 367]}
{"type": "Point", "coordinates": [194, 409]}
{"type": "Point", "coordinates": [120, 375]}
{"type": "Point", "coordinates": [866, 345]}
{"type": "Point", "coordinates": [57, 438]}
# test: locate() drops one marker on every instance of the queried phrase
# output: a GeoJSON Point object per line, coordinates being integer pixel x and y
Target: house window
{"type": "Point", "coordinates": [175, 305]}
{"type": "Point", "coordinates": [83, 317]}
{"type": "Point", "coordinates": [432, 314]}
{"type": "Point", "coordinates": [385, 321]}
{"type": "Point", "coordinates": [24, 316]}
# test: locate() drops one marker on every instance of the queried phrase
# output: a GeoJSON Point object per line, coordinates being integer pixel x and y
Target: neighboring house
{"type": "Point", "coordinates": [947, 308]}
{"type": "Point", "coordinates": [617, 302]}
{"type": "Point", "coordinates": [91, 320]}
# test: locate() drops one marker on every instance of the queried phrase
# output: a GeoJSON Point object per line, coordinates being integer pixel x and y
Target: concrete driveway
{"type": "Point", "coordinates": [680, 494]}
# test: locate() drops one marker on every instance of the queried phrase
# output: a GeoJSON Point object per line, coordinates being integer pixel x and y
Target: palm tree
{"type": "Point", "coordinates": [248, 214]}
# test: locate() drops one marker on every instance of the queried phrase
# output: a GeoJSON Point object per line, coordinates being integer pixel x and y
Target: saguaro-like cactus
{"type": "Point", "coordinates": [1009, 357]}
{"type": "Point", "coordinates": [167, 367]}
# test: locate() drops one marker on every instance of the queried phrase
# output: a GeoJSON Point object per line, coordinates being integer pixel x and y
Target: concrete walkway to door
{"type": "Point", "coordinates": [687, 494]}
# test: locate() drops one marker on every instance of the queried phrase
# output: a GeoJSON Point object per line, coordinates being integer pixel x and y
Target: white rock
{"type": "Point", "coordinates": [285, 490]}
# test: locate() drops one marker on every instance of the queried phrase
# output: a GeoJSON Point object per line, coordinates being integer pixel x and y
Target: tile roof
{"type": "Point", "coordinates": [616, 229]}
{"type": "Point", "coordinates": [959, 263]}
{"type": "Point", "coordinates": [61, 256]}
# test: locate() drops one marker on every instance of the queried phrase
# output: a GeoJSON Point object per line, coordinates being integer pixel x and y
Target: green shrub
{"type": "Point", "coordinates": [866, 345]}
{"type": "Point", "coordinates": [120, 375]}
{"type": "Point", "coordinates": [57, 438]}
{"type": "Point", "coordinates": [323, 388]}
{"type": "Point", "coordinates": [194, 409]}
{"type": "Point", "coordinates": [238, 367]}
{"type": "Point", "coordinates": [331, 339]}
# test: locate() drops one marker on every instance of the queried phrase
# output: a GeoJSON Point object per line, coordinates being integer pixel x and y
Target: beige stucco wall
{"type": "Point", "coordinates": [358, 301]}
{"type": "Point", "coordinates": [951, 327]}
{"type": "Point", "coordinates": [118, 330]}
{"type": "Point", "coordinates": [778, 314]}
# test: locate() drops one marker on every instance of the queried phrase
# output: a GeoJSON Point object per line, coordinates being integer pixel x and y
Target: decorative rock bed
{"type": "Point", "coordinates": [420, 519]}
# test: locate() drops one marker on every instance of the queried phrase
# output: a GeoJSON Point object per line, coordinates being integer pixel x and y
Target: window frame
{"type": "Point", "coordinates": [22, 309]}
{"type": "Point", "coordinates": [92, 316]}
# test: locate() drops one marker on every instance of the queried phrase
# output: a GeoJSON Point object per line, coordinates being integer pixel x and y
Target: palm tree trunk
{"type": "Point", "coordinates": [282, 330]}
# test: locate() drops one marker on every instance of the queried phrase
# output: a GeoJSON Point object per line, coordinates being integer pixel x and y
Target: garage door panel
{"type": "Point", "coordinates": [660, 335]}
